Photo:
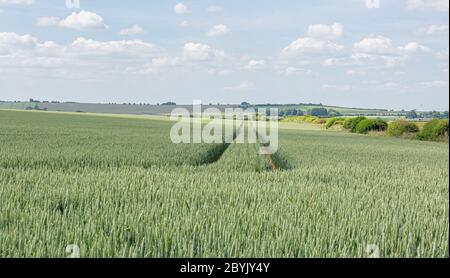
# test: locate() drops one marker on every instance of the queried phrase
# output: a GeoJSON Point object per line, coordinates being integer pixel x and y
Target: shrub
{"type": "Point", "coordinates": [398, 128]}
{"type": "Point", "coordinates": [351, 123]}
{"type": "Point", "coordinates": [299, 119]}
{"type": "Point", "coordinates": [309, 119]}
{"type": "Point", "coordinates": [320, 121]}
{"type": "Point", "coordinates": [434, 130]}
{"type": "Point", "coordinates": [332, 121]}
{"type": "Point", "coordinates": [367, 125]}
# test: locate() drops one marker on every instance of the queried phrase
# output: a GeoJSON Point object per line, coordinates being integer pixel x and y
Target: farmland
{"type": "Point", "coordinates": [130, 108]}
{"type": "Point", "coordinates": [118, 187]}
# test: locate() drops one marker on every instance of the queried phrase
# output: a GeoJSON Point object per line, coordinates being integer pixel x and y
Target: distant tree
{"type": "Point", "coordinates": [334, 113]}
{"type": "Point", "coordinates": [412, 114]}
{"type": "Point", "coordinates": [245, 103]}
{"type": "Point", "coordinates": [318, 112]}
{"type": "Point", "coordinates": [169, 103]}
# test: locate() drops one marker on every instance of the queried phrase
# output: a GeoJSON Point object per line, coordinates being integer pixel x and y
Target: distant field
{"type": "Point", "coordinates": [118, 187]}
{"type": "Point", "coordinates": [105, 108]}
{"type": "Point", "coordinates": [158, 109]}
{"type": "Point", "coordinates": [342, 110]}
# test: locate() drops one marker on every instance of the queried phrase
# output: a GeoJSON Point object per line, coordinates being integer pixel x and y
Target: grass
{"type": "Point", "coordinates": [119, 188]}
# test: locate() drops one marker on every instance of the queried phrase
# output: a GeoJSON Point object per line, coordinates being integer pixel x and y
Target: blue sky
{"type": "Point", "coordinates": [391, 54]}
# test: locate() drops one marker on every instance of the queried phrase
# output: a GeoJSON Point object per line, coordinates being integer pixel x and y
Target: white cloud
{"type": "Point", "coordinates": [16, 2]}
{"type": "Point", "coordinates": [13, 39]}
{"type": "Point", "coordinates": [82, 20]}
{"type": "Point", "coordinates": [434, 30]}
{"type": "Point", "coordinates": [437, 5]}
{"type": "Point", "coordinates": [311, 45]}
{"type": "Point", "coordinates": [184, 23]}
{"type": "Point", "coordinates": [327, 32]}
{"type": "Point", "coordinates": [133, 30]}
{"type": "Point", "coordinates": [86, 57]}
{"type": "Point", "coordinates": [244, 86]}
{"type": "Point", "coordinates": [435, 84]}
{"type": "Point", "coordinates": [197, 51]}
{"type": "Point", "coordinates": [255, 64]}
{"type": "Point", "coordinates": [180, 8]}
{"type": "Point", "coordinates": [48, 21]}
{"type": "Point", "coordinates": [355, 73]}
{"type": "Point", "coordinates": [364, 59]}
{"type": "Point", "coordinates": [218, 30]}
{"type": "Point", "coordinates": [413, 47]}
{"type": "Point", "coordinates": [131, 48]}
{"type": "Point", "coordinates": [297, 71]}
{"type": "Point", "coordinates": [375, 44]}
{"type": "Point", "coordinates": [215, 9]}
{"type": "Point", "coordinates": [384, 45]}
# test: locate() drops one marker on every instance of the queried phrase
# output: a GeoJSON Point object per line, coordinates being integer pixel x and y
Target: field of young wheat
{"type": "Point", "coordinates": [118, 187]}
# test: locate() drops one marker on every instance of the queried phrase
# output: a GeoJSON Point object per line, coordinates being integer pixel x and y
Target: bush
{"type": "Point", "coordinates": [351, 123]}
{"type": "Point", "coordinates": [309, 119]}
{"type": "Point", "coordinates": [299, 119]}
{"type": "Point", "coordinates": [434, 130]}
{"type": "Point", "coordinates": [367, 125]}
{"type": "Point", "coordinates": [398, 128]}
{"type": "Point", "coordinates": [335, 120]}
{"type": "Point", "coordinates": [320, 121]}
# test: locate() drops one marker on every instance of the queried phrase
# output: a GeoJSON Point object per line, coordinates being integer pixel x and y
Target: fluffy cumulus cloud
{"type": "Point", "coordinates": [255, 64]}
{"type": "Point", "coordinates": [82, 20]}
{"type": "Point", "coordinates": [133, 30]}
{"type": "Point", "coordinates": [16, 2]}
{"type": "Point", "coordinates": [437, 5]}
{"type": "Point", "coordinates": [48, 21]}
{"type": "Point", "coordinates": [311, 45]}
{"type": "Point", "coordinates": [218, 30]}
{"type": "Point", "coordinates": [85, 55]}
{"type": "Point", "coordinates": [383, 45]}
{"type": "Point", "coordinates": [319, 39]}
{"type": "Point", "coordinates": [434, 30]}
{"type": "Point", "coordinates": [197, 51]}
{"type": "Point", "coordinates": [327, 32]}
{"type": "Point", "coordinates": [180, 8]}
{"type": "Point", "coordinates": [131, 48]}
{"type": "Point", "coordinates": [13, 39]}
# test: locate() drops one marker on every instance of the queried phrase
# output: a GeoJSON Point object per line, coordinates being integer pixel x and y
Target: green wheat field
{"type": "Point", "coordinates": [118, 187]}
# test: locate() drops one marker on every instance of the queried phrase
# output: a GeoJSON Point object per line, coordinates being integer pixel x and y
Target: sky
{"type": "Point", "coordinates": [391, 54]}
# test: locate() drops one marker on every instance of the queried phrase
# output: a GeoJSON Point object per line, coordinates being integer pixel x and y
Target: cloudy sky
{"type": "Point", "coordinates": [360, 53]}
